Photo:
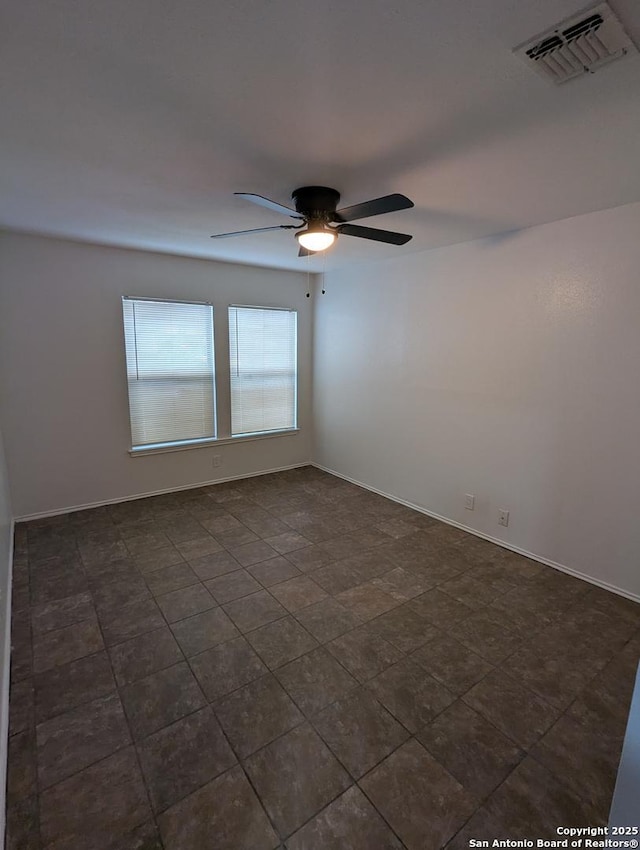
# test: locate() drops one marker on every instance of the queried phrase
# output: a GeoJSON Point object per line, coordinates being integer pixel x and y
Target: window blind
{"type": "Point", "coordinates": [263, 363]}
{"type": "Point", "coordinates": [170, 371]}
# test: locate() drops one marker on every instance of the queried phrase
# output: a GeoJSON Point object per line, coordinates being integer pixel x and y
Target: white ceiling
{"type": "Point", "coordinates": [132, 122]}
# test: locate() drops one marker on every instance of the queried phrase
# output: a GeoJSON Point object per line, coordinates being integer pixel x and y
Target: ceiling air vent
{"type": "Point", "coordinates": [579, 45]}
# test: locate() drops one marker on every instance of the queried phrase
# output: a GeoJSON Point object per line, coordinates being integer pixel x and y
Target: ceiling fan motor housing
{"type": "Point", "coordinates": [316, 203]}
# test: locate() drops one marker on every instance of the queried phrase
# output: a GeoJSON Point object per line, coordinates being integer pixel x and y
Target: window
{"type": "Point", "coordinates": [263, 362]}
{"type": "Point", "coordinates": [170, 371]}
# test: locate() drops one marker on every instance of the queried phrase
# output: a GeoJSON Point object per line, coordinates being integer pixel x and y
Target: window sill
{"type": "Point", "coordinates": [207, 444]}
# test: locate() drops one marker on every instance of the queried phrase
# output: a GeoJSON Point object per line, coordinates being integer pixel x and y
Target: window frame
{"type": "Point", "coordinates": [275, 431]}
{"type": "Point", "coordinates": [189, 442]}
{"type": "Point", "coordinates": [221, 383]}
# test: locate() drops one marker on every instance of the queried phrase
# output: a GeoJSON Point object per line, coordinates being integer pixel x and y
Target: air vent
{"type": "Point", "coordinates": [579, 45]}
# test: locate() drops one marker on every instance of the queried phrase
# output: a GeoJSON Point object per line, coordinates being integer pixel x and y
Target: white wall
{"type": "Point", "coordinates": [6, 549]}
{"type": "Point", "coordinates": [506, 368]}
{"type": "Point", "coordinates": [62, 371]}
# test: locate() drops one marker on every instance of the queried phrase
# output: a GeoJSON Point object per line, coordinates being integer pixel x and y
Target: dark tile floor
{"type": "Point", "coordinates": [291, 661]}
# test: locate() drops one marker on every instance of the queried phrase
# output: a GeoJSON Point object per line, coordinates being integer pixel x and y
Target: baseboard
{"type": "Point", "coordinates": [88, 505]}
{"type": "Point", "coordinates": [532, 555]}
{"type": "Point", "coordinates": [5, 654]}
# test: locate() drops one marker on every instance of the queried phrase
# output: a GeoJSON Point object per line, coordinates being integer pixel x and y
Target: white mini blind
{"type": "Point", "coordinates": [263, 361]}
{"type": "Point", "coordinates": [170, 371]}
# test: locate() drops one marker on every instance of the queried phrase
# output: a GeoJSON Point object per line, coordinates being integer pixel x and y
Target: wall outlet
{"type": "Point", "coordinates": [469, 501]}
{"type": "Point", "coordinates": [217, 461]}
{"type": "Point", "coordinates": [503, 518]}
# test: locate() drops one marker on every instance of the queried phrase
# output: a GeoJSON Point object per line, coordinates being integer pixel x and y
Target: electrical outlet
{"type": "Point", "coordinates": [503, 518]}
{"type": "Point", "coordinates": [469, 501]}
{"type": "Point", "coordinates": [217, 461]}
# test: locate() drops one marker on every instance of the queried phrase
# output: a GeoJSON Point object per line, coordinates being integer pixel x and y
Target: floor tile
{"type": "Point", "coordinates": [480, 827]}
{"type": "Point", "coordinates": [253, 553]}
{"type": "Point", "coordinates": [364, 653]}
{"type": "Point", "coordinates": [22, 767]}
{"type": "Point", "coordinates": [155, 559]}
{"type": "Point", "coordinates": [328, 619]}
{"type": "Point", "coordinates": [235, 585]}
{"type": "Point", "coordinates": [139, 657]}
{"type": "Point", "coordinates": [336, 577]}
{"type": "Point", "coordinates": [254, 610]}
{"type": "Point", "coordinates": [184, 756]}
{"type": "Point", "coordinates": [315, 680]}
{"type": "Point", "coordinates": [288, 541]}
{"type": "Point", "coordinates": [198, 547]}
{"type": "Point", "coordinates": [226, 667]}
{"type": "Point", "coordinates": [440, 609]}
{"type": "Point", "coordinates": [517, 712]}
{"type": "Point", "coordinates": [96, 554]}
{"type": "Point", "coordinates": [469, 590]}
{"type": "Point", "coordinates": [111, 596]}
{"type": "Point", "coordinates": [185, 602]}
{"type": "Point", "coordinates": [295, 777]}
{"type": "Point", "coordinates": [584, 757]}
{"type": "Point", "coordinates": [359, 731]}
{"type": "Point", "coordinates": [256, 714]}
{"type": "Point", "coordinates": [274, 571]}
{"type": "Point", "coordinates": [62, 688]}
{"type": "Point", "coordinates": [235, 537]}
{"type": "Point", "coordinates": [558, 644]}
{"type": "Point", "coordinates": [22, 825]}
{"type": "Point", "coordinates": [267, 528]}
{"type": "Point", "coordinates": [452, 663]}
{"type": "Point", "coordinates": [218, 524]}
{"type": "Point", "coordinates": [195, 634]}
{"type": "Point", "coordinates": [281, 641]}
{"type": "Point", "coordinates": [482, 634]}
{"type": "Point", "coordinates": [132, 620]}
{"type": "Point", "coordinates": [62, 613]}
{"type": "Point", "coordinates": [402, 584]}
{"type": "Point", "coordinates": [403, 628]}
{"type": "Point", "coordinates": [412, 696]}
{"type": "Point", "coordinates": [182, 527]}
{"type": "Point", "coordinates": [160, 699]}
{"type": "Point", "coordinates": [516, 618]}
{"type": "Point", "coordinates": [342, 547]}
{"type": "Point", "coordinates": [223, 815]}
{"type": "Point", "coordinates": [109, 801]}
{"type": "Point", "coordinates": [533, 802]}
{"type": "Point", "coordinates": [470, 748]}
{"type": "Point", "coordinates": [21, 706]}
{"type": "Point", "coordinates": [113, 572]}
{"type": "Point", "coordinates": [310, 558]}
{"type": "Point", "coordinates": [298, 593]}
{"type": "Point", "coordinates": [72, 741]}
{"type": "Point", "coordinates": [170, 578]}
{"type": "Point", "coordinates": [408, 788]}
{"type": "Point", "coordinates": [63, 645]}
{"type": "Point", "coordinates": [366, 601]}
{"type": "Point", "coordinates": [349, 822]}
{"type": "Point", "coordinates": [556, 676]}
{"type": "Point", "coordinates": [522, 569]}
{"type": "Point", "coordinates": [215, 564]}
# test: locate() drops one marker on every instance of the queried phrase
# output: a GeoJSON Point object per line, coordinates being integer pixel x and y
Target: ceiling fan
{"type": "Point", "coordinates": [322, 223]}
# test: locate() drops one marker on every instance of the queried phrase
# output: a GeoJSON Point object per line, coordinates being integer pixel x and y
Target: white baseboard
{"type": "Point", "coordinates": [88, 505]}
{"type": "Point", "coordinates": [539, 558]}
{"type": "Point", "coordinates": [5, 656]}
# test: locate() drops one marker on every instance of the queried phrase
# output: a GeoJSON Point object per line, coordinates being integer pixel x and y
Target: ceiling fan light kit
{"type": "Point", "coordinates": [316, 237]}
{"type": "Point", "coordinates": [322, 222]}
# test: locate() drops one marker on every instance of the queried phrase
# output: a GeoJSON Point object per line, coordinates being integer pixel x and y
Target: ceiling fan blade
{"type": "Point", "coordinates": [305, 252]}
{"type": "Point", "coordinates": [254, 230]}
{"type": "Point", "coordinates": [378, 206]}
{"type": "Point", "coordinates": [374, 233]}
{"type": "Point", "coordinates": [270, 205]}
